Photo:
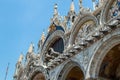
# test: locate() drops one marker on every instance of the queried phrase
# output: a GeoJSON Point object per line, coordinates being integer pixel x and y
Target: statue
{"type": "Point", "coordinates": [52, 28]}
{"type": "Point", "coordinates": [114, 11]}
{"type": "Point", "coordinates": [52, 52]}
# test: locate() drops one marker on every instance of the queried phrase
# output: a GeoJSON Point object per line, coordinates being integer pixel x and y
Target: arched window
{"type": "Point", "coordinates": [58, 45]}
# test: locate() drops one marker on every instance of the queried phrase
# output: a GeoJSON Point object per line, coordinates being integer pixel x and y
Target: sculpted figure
{"type": "Point", "coordinates": [118, 3]}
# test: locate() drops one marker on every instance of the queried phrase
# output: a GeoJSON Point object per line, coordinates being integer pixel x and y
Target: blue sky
{"type": "Point", "coordinates": [22, 22]}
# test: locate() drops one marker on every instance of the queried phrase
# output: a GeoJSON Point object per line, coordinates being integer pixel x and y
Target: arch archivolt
{"type": "Point", "coordinates": [110, 10]}
{"type": "Point", "coordinates": [98, 55]}
{"type": "Point", "coordinates": [53, 37]}
{"type": "Point", "coordinates": [38, 70]}
{"type": "Point", "coordinates": [83, 24]}
{"type": "Point", "coordinates": [66, 67]}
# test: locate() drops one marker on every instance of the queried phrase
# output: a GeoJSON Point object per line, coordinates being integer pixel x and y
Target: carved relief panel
{"type": "Point", "coordinates": [114, 9]}
{"type": "Point", "coordinates": [85, 31]}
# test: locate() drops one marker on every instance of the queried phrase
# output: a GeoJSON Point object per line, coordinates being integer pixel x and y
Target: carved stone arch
{"type": "Point", "coordinates": [101, 52]}
{"type": "Point", "coordinates": [51, 39]}
{"type": "Point", "coordinates": [105, 15]}
{"type": "Point", "coordinates": [78, 23]}
{"type": "Point", "coordinates": [67, 68]}
{"type": "Point", "coordinates": [38, 71]}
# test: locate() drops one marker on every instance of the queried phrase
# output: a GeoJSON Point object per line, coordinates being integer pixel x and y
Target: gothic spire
{"type": "Point", "coordinates": [43, 37]}
{"type": "Point", "coordinates": [20, 58]}
{"type": "Point", "coordinates": [80, 4]}
{"type": "Point", "coordinates": [101, 2]}
{"type": "Point", "coordinates": [72, 7]}
{"type": "Point", "coordinates": [55, 9]}
{"type": "Point", "coordinates": [94, 5]}
{"type": "Point", "coordinates": [31, 48]}
{"type": "Point", "coordinates": [56, 16]}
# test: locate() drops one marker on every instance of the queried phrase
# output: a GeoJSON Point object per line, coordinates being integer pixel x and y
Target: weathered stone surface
{"type": "Point", "coordinates": [85, 47]}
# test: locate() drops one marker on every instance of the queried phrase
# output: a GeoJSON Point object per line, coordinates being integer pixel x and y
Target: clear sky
{"type": "Point", "coordinates": [22, 22]}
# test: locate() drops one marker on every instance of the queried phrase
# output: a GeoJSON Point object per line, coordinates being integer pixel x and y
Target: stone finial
{"type": "Point", "coordinates": [70, 18]}
{"type": "Point", "coordinates": [80, 4]}
{"type": "Point", "coordinates": [43, 37]}
{"type": "Point", "coordinates": [101, 2]}
{"type": "Point", "coordinates": [21, 58]}
{"type": "Point", "coordinates": [56, 17]}
{"type": "Point", "coordinates": [31, 48]}
{"type": "Point", "coordinates": [72, 7]}
{"type": "Point", "coordinates": [41, 41]}
{"type": "Point", "coordinates": [94, 5]}
{"type": "Point", "coordinates": [80, 1]}
{"type": "Point", "coordinates": [55, 9]}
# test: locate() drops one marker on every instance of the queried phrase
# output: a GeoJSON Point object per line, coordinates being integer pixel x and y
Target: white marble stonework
{"type": "Point", "coordinates": [77, 46]}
